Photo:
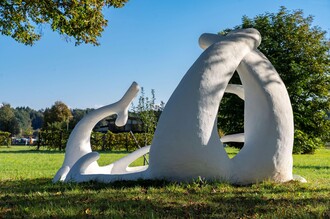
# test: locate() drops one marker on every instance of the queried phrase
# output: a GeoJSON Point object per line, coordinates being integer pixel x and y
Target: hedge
{"type": "Point", "coordinates": [99, 141]}
{"type": "Point", "coordinates": [53, 139]}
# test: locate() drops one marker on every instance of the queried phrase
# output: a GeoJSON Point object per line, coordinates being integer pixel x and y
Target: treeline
{"type": "Point", "coordinates": [52, 127]}
{"type": "Point", "coordinates": [20, 120]}
{"type": "Point", "coordinates": [27, 122]}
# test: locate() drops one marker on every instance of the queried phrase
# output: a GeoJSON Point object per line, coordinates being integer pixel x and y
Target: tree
{"type": "Point", "coordinates": [82, 20]}
{"type": "Point", "coordinates": [300, 54]}
{"type": "Point", "coordinates": [28, 119]}
{"type": "Point", "coordinates": [58, 113]}
{"type": "Point", "coordinates": [77, 115]}
{"type": "Point", "coordinates": [22, 115]}
{"type": "Point", "coordinates": [5, 138]}
{"type": "Point", "coordinates": [146, 111]}
{"type": "Point", "coordinates": [8, 121]}
{"type": "Point", "coordinates": [37, 119]}
{"type": "Point", "coordinates": [56, 125]}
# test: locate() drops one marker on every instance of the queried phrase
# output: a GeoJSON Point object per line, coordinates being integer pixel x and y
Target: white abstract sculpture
{"type": "Point", "coordinates": [186, 143]}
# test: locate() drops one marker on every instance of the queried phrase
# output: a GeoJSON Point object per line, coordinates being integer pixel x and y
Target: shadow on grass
{"type": "Point", "coordinates": [32, 151]}
{"type": "Point", "coordinates": [318, 167]}
{"type": "Point", "coordinates": [45, 184]}
{"type": "Point", "coordinates": [159, 198]}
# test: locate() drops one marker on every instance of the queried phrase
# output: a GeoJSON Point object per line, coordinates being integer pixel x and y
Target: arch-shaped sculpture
{"type": "Point", "coordinates": [186, 144]}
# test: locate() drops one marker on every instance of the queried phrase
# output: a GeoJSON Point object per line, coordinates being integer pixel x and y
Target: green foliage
{"type": "Point", "coordinates": [58, 113]}
{"type": "Point", "coordinates": [24, 120]}
{"type": "Point", "coordinates": [231, 111]}
{"type": "Point", "coordinates": [30, 116]}
{"type": "Point", "coordinates": [37, 119]}
{"type": "Point", "coordinates": [81, 20]}
{"type": "Point", "coordinates": [54, 137]}
{"type": "Point", "coordinates": [8, 121]}
{"type": "Point", "coordinates": [148, 113]}
{"type": "Point", "coordinates": [5, 138]}
{"type": "Point", "coordinates": [31, 194]}
{"type": "Point", "coordinates": [77, 115]}
{"type": "Point", "coordinates": [20, 121]}
{"type": "Point", "coordinates": [300, 54]}
{"type": "Point", "coordinates": [305, 144]}
{"type": "Point", "coordinates": [120, 141]}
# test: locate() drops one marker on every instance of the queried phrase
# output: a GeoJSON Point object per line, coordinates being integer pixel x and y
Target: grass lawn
{"type": "Point", "coordinates": [26, 191]}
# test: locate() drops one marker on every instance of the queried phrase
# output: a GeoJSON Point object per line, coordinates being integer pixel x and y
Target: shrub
{"type": "Point", "coordinates": [304, 144]}
{"type": "Point", "coordinates": [5, 138]}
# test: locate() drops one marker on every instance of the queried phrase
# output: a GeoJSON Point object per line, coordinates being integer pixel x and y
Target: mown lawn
{"type": "Point", "coordinates": [26, 191]}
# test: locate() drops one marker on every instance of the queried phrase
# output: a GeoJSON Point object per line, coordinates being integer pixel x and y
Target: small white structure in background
{"type": "Point", "coordinates": [186, 144]}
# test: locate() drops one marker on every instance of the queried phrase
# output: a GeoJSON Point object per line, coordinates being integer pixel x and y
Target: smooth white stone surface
{"type": "Point", "coordinates": [186, 144]}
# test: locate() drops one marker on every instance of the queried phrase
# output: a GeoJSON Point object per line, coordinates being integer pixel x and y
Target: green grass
{"type": "Point", "coordinates": [26, 191]}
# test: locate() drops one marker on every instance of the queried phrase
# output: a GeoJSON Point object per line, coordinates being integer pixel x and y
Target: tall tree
{"type": "Point", "coordinates": [37, 119]}
{"type": "Point", "coordinates": [77, 115]}
{"type": "Point", "coordinates": [8, 121]}
{"type": "Point", "coordinates": [146, 112]}
{"type": "Point", "coordinates": [82, 20]}
{"type": "Point", "coordinates": [22, 115]}
{"type": "Point", "coordinates": [58, 113]}
{"type": "Point", "coordinates": [300, 54]}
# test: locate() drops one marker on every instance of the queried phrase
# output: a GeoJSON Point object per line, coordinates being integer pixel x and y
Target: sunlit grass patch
{"type": "Point", "coordinates": [26, 190]}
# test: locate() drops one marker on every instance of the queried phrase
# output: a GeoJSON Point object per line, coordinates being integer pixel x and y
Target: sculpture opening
{"type": "Point", "coordinates": [186, 144]}
{"type": "Point", "coordinates": [231, 130]}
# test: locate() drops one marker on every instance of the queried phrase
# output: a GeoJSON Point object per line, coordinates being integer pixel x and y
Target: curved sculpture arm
{"type": "Point", "coordinates": [233, 138]}
{"type": "Point", "coordinates": [268, 124]}
{"type": "Point", "coordinates": [79, 141]}
{"type": "Point", "coordinates": [77, 170]}
{"type": "Point", "coordinates": [235, 89]}
{"type": "Point", "coordinates": [121, 165]}
{"type": "Point", "coordinates": [207, 39]}
{"type": "Point", "coordinates": [186, 134]}
{"type": "Point", "coordinates": [118, 169]}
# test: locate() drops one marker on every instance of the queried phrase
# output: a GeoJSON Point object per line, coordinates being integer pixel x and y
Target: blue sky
{"type": "Point", "coordinates": [151, 42]}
